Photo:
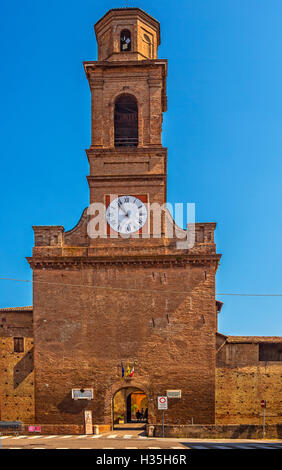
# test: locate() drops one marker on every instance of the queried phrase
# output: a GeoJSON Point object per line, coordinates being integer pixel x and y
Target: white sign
{"type": "Point", "coordinates": [88, 422]}
{"type": "Point", "coordinates": [82, 394]}
{"type": "Point", "coordinates": [173, 393]}
{"type": "Point", "coordinates": [162, 403]}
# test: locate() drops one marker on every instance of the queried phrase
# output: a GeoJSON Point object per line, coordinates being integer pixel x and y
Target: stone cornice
{"type": "Point", "coordinates": [149, 152]}
{"type": "Point", "coordinates": [131, 177]}
{"type": "Point", "coordinates": [94, 66]}
{"type": "Point", "coordinates": [144, 261]}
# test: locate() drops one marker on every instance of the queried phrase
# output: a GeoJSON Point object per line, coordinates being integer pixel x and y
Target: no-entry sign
{"type": "Point", "coordinates": [263, 403]}
{"type": "Point", "coordinates": [162, 403]}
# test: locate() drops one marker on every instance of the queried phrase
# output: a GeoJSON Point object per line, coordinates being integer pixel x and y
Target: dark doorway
{"type": "Point", "coordinates": [126, 121]}
{"type": "Point", "coordinates": [128, 409]}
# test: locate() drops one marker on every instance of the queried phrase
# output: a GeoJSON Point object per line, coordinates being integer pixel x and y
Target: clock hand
{"type": "Point", "coordinates": [123, 210]}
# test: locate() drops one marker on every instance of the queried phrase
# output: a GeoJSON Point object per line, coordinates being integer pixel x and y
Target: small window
{"type": "Point", "coordinates": [270, 352]}
{"type": "Point", "coordinates": [18, 345]}
{"type": "Point", "coordinates": [125, 41]}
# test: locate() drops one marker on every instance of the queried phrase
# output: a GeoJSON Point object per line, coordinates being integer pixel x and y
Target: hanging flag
{"type": "Point", "coordinates": [122, 369]}
{"type": "Point", "coordinates": [132, 370]}
{"type": "Point", "coordinates": [127, 370]}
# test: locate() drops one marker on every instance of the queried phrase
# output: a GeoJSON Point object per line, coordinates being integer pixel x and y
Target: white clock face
{"type": "Point", "coordinates": [126, 214]}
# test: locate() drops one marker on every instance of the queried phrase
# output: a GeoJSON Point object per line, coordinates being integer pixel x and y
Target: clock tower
{"type": "Point", "coordinates": [125, 314]}
{"type": "Point", "coordinates": [128, 98]}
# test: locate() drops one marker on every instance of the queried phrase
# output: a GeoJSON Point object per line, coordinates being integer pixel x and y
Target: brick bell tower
{"type": "Point", "coordinates": [100, 302]}
{"type": "Point", "coordinates": [128, 97]}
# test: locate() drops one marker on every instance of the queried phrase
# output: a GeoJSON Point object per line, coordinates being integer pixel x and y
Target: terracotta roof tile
{"type": "Point", "coordinates": [17, 309]}
{"type": "Point", "coordinates": [254, 339]}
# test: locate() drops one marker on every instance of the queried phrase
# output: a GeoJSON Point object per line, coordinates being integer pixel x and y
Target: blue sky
{"type": "Point", "coordinates": [223, 130]}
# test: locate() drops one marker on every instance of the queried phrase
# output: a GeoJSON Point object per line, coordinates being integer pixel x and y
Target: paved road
{"type": "Point", "coordinates": [130, 440]}
{"type": "Point", "coordinates": [108, 441]}
{"type": "Point", "coordinates": [232, 445]}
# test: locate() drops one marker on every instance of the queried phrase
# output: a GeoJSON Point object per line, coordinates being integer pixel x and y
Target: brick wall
{"type": "Point", "coordinates": [16, 368]}
{"type": "Point", "coordinates": [247, 431]}
{"type": "Point", "coordinates": [242, 381]}
{"type": "Point", "coordinates": [81, 336]}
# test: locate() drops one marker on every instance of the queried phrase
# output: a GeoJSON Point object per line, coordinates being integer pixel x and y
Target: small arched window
{"type": "Point", "coordinates": [125, 40]}
{"type": "Point", "coordinates": [126, 121]}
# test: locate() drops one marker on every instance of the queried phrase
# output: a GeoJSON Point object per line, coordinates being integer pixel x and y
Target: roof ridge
{"type": "Point", "coordinates": [8, 309]}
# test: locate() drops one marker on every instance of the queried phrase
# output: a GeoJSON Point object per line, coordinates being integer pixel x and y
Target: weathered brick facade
{"type": "Point", "coordinates": [100, 301]}
{"type": "Point", "coordinates": [16, 368]}
{"type": "Point", "coordinates": [244, 378]}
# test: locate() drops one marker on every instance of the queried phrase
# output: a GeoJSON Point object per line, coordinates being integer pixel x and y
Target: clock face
{"type": "Point", "coordinates": [126, 214]}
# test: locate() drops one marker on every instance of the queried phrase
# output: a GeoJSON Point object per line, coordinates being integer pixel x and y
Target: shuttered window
{"type": "Point", "coordinates": [18, 345]}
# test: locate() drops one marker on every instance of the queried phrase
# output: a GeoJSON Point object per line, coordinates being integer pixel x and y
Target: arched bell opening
{"type": "Point", "coordinates": [126, 121]}
{"type": "Point", "coordinates": [125, 41]}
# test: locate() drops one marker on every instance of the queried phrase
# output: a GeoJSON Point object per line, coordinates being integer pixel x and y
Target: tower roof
{"type": "Point", "coordinates": [126, 10]}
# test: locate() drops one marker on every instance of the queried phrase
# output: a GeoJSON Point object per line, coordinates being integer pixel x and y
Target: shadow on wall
{"type": "Point", "coordinates": [68, 405]}
{"type": "Point", "coordinates": [23, 368]}
{"type": "Point", "coordinates": [246, 432]}
{"type": "Point", "coordinates": [255, 431]}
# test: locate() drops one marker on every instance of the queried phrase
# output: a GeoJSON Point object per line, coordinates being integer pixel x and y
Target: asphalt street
{"type": "Point", "coordinates": [127, 440]}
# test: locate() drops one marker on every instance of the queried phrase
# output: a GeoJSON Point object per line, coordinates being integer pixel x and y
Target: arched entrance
{"type": "Point", "coordinates": [130, 405]}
